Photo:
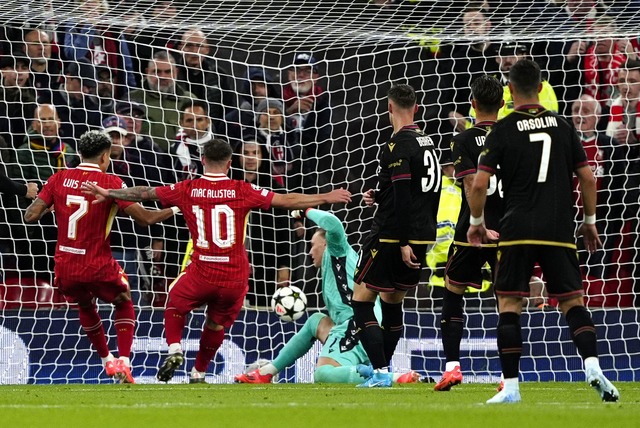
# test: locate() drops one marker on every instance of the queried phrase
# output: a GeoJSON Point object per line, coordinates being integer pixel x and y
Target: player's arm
{"type": "Point", "coordinates": [336, 237]}
{"type": "Point", "coordinates": [35, 211]}
{"type": "Point", "coordinates": [300, 201]}
{"type": "Point", "coordinates": [476, 198]}
{"type": "Point", "coordinates": [147, 217]}
{"type": "Point", "coordinates": [135, 194]}
{"type": "Point", "coordinates": [588, 192]}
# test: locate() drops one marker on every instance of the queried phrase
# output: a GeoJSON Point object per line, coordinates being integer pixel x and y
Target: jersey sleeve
{"type": "Point", "coordinates": [463, 162]}
{"type": "Point", "coordinates": [337, 243]}
{"type": "Point", "coordinates": [173, 195]}
{"type": "Point", "coordinates": [489, 159]}
{"type": "Point", "coordinates": [117, 183]}
{"type": "Point", "coordinates": [256, 197]}
{"type": "Point", "coordinates": [48, 190]}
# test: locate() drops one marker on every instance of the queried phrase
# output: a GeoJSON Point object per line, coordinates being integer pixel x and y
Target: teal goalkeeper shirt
{"type": "Point", "coordinates": [338, 265]}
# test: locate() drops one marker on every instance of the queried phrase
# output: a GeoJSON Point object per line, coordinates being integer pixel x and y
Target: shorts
{"type": "Point", "coordinates": [381, 267]}
{"type": "Point", "coordinates": [224, 300]}
{"type": "Point", "coordinates": [559, 265]}
{"type": "Point", "coordinates": [464, 267]}
{"type": "Point", "coordinates": [108, 287]}
{"type": "Point", "coordinates": [343, 346]}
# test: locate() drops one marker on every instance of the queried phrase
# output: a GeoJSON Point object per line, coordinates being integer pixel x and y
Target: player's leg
{"type": "Point", "coordinates": [452, 327]}
{"type": "Point", "coordinates": [392, 321]}
{"type": "Point", "coordinates": [341, 356]}
{"type": "Point", "coordinates": [564, 282]}
{"type": "Point", "coordinates": [317, 326]}
{"type": "Point", "coordinates": [211, 339]}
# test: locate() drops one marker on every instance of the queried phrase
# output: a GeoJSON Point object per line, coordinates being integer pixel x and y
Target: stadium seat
{"type": "Point", "coordinates": [28, 293]}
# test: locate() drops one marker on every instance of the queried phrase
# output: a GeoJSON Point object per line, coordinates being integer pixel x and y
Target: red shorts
{"type": "Point", "coordinates": [223, 299]}
{"type": "Point", "coordinates": [107, 288]}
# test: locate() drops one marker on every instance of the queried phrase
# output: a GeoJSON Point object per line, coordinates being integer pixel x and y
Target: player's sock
{"type": "Point", "coordinates": [393, 326]}
{"type": "Point", "coordinates": [509, 344]}
{"type": "Point", "coordinates": [173, 325]}
{"type": "Point", "coordinates": [125, 325]}
{"type": "Point", "coordinates": [175, 348]}
{"type": "Point", "coordinates": [583, 332]}
{"type": "Point", "coordinates": [108, 358]}
{"type": "Point", "coordinates": [92, 325]}
{"type": "Point", "coordinates": [333, 374]}
{"type": "Point", "coordinates": [452, 325]}
{"type": "Point", "coordinates": [370, 332]}
{"type": "Point", "coordinates": [210, 341]}
{"type": "Point", "coordinates": [297, 346]}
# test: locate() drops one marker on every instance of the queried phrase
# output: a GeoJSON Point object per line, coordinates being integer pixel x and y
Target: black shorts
{"type": "Point", "coordinates": [464, 267]}
{"type": "Point", "coordinates": [381, 267]}
{"type": "Point", "coordinates": [559, 265]}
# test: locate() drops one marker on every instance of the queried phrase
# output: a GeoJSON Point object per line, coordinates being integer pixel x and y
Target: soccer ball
{"type": "Point", "coordinates": [289, 303]}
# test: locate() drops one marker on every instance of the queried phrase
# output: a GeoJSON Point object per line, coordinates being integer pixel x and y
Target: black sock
{"type": "Point", "coordinates": [370, 333]}
{"type": "Point", "coordinates": [509, 344]}
{"type": "Point", "coordinates": [393, 327]}
{"type": "Point", "coordinates": [583, 332]}
{"type": "Point", "coordinates": [452, 324]}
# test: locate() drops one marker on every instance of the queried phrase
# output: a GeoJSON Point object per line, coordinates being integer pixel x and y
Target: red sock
{"type": "Point", "coordinates": [125, 323]}
{"type": "Point", "coordinates": [173, 325]}
{"type": "Point", "coordinates": [92, 325]}
{"type": "Point", "coordinates": [210, 341]}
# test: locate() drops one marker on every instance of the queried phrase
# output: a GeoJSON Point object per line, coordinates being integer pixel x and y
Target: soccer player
{"type": "Point", "coordinates": [342, 352]}
{"type": "Point", "coordinates": [215, 208]}
{"type": "Point", "coordinates": [84, 267]}
{"type": "Point", "coordinates": [538, 152]}
{"type": "Point", "coordinates": [403, 226]}
{"type": "Point", "coordinates": [464, 266]}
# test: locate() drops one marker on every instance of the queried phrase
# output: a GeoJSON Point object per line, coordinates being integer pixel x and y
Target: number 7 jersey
{"type": "Point", "coordinates": [537, 151]}
{"type": "Point", "coordinates": [216, 211]}
{"type": "Point", "coordinates": [83, 250]}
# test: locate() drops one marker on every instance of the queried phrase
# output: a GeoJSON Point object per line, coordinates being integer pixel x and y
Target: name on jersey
{"type": "Point", "coordinates": [213, 193]}
{"type": "Point", "coordinates": [424, 141]}
{"type": "Point", "coordinates": [537, 123]}
{"type": "Point", "coordinates": [74, 184]}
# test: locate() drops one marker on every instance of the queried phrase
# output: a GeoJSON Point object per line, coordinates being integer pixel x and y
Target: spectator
{"type": "Point", "coordinates": [45, 71]}
{"type": "Point", "coordinates": [76, 101]}
{"type": "Point", "coordinates": [624, 123]}
{"type": "Point", "coordinates": [257, 86]}
{"type": "Point", "coordinates": [195, 131]}
{"type": "Point", "coordinates": [100, 44]}
{"type": "Point", "coordinates": [280, 144]}
{"type": "Point", "coordinates": [162, 96]}
{"type": "Point", "coordinates": [470, 60]}
{"type": "Point", "coordinates": [268, 233]}
{"type": "Point", "coordinates": [201, 74]}
{"type": "Point", "coordinates": [308, 106]}
{"type": "Point", "coordinates": [17, 100]}
{"type": "Point", "coordinates": [106, 89]}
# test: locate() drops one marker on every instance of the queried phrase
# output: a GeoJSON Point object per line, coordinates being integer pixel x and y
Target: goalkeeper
{"type": "Point", "coordinates": [341, 353]}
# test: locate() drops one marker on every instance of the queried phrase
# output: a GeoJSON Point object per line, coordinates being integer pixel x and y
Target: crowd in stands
{"type": "Point", "coordinates": [160, 95]}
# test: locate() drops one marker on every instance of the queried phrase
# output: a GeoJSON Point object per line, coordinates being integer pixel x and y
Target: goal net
{"type": "Point", "coordinates": [302, 83]}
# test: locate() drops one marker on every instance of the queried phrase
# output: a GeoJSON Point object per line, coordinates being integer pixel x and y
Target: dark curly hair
{"type": "Point", "coordinates": [93, 143]}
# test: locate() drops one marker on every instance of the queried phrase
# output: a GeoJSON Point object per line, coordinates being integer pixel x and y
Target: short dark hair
{"type": "Point", "coordinates": [403, 95]}
{"type": "Point", "coordinates": [525, 77]}
{"type": "Point", "coordinates": [631, 65]}
{"type": "Point", "coordinates": [488, 93]}
{"type": "Point", "coordinates": [93, 143]}
{"type": "Point", "coordinates": [193, 104]}
{"type": "Point", "coordinates": [217, 150]}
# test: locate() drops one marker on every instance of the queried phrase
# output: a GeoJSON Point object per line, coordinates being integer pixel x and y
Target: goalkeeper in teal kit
{"type": "Point", "coordinates": [341, 351]}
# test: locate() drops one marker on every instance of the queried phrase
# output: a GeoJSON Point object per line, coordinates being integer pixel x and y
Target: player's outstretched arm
{"type": "Point", "coordinates": [299, 201]}
{"type": "Point", "coordinates": [147, 217]}
{"type": "Point", "coordinates": [36, 210]}
{"type": "Point", "coordinates": [135, 194]}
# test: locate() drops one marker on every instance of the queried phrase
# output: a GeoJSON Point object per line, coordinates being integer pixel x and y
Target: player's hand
{"type": "Point", "coordinates": [338, 196]}
{"type": "Point", "coordinates": [95, 190]}
{"type": "Point", "coordinates": [409, 258]}
{"type": "Point", "coordinates": [476, 235]}
{"type": "Point", "coordinates": [299, 214]}
{"type": "Point", "coordinates": [492, 236]}
{"type": "Point", "coordinates": [32, 191]}
{"type": "Point", "coordinates": [590, 235]}
{"type": "Point", "coordinates": [369, 197]}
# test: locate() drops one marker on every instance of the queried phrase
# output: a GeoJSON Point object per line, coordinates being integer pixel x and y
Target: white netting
{"type": "Point", "coordinates": [359, 48]}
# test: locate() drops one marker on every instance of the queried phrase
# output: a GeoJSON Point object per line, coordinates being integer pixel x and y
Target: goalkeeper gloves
{"type": "Point", "coordinates": [299, 214]}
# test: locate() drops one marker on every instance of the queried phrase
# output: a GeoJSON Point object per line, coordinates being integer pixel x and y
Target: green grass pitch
{"type": "Point", "coordinates": [545, 405]}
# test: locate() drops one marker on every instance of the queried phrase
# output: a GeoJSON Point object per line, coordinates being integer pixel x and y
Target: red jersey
{"type": "Point", "coordinates": [216, 210]}
{"type": "Point", "coordinates": [83, 251]}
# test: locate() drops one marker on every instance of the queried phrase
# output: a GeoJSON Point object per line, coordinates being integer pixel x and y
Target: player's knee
{"type": "Point", "coordinates": [211, 325]}
{"type": "Point", "coordinates": [317, 325]}
{"type": "Point", "coordinates": [125, 296]}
